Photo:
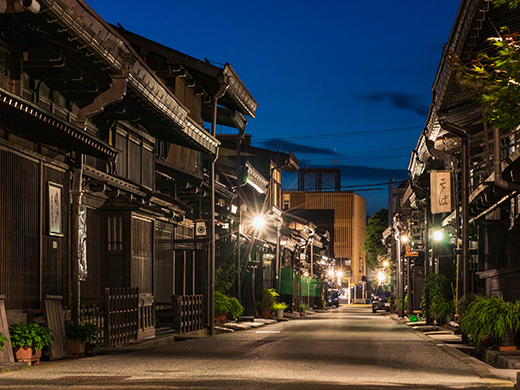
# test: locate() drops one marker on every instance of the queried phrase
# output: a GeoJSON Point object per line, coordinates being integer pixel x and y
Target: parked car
{"type": "Point", "coordinates": [381, 299]}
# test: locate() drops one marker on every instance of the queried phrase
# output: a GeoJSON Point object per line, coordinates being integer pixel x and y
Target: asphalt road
{"type": "Point", "coordinates": [347, 348]}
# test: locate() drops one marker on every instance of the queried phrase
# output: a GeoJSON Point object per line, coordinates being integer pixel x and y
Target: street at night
{"type": "Point", "coordinates": [345, 348]}
{"type": "Point", "coordinates": [260, 195]}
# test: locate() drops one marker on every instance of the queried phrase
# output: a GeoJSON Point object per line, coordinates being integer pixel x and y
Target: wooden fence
{"type": "Point", "coordinates": [146, 316]}
{"type": "Point", "coordinates": [121, 315]}
{"type": "Point", "coordinates": [93, 312]}
{"type": "Point", "coordinates": [188, 311]}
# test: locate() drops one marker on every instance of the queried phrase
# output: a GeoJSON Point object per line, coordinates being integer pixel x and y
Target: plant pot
{"type": "Point", "coordinates": [508, 342]}
{"type": "Point", "coordinates": [220, 318]}
{"type": "Point", "coordinates": [265, 313]}
{"type": "Point", "coordinates": [302, 314]}
{"type": "Point", "coordinates": [75, 348]}
{"type": "Point", "coordinates": [279, 314]}
{"type": "Point", "coordinates": [27, 355]}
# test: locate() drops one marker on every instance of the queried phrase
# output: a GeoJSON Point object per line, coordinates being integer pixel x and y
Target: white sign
{"type": "Point", "coordinates": [55, 226]}
{"type": "Point", "coordinates": [440, 189]}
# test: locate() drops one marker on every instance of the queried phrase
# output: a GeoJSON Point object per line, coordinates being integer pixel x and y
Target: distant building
{"type": "Point", "coordinates": [349, 211]}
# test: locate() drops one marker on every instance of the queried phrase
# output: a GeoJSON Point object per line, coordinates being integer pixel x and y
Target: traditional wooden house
{"type": "Point", "coordinates": [198, 85]}
{"type": "Point", "coordinates": [482, 163]}
{"type": "Point", "coordinates": [104, 163]}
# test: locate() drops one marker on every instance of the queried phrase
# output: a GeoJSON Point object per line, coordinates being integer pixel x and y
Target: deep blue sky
{"type": "Point", "coordinates": [316, 68]}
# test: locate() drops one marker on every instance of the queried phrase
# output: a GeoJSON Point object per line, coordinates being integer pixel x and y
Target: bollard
{"type": "Point", "coordinates": [517, 384]}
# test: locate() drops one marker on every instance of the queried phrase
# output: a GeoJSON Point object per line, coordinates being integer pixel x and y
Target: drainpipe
{"type": "Point", "coordinates": [499, 181]}
{"type": "Point", "coordinates": [211, 259]}
{"type": "Point", "coordinates": [463, 134]}
{"type": "Point", "coordinates": [238, 287]}
{"type": "Point", "coordinates": [76, 193]}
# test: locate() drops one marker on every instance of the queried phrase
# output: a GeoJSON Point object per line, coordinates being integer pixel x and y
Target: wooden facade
{"type": "Point", "coordinates": [126, 142]}
{"type": "Point", "coordinates": [484, 218]}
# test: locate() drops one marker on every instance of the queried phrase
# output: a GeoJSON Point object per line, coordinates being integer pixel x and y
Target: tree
{"type": "Point", "coordinates": [373, 245]}
{"type": "Point", "coordinates": [495, 76]}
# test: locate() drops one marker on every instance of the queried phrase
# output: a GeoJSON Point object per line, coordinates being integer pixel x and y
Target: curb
{"type": "Point", "coordinates": [482, 369]}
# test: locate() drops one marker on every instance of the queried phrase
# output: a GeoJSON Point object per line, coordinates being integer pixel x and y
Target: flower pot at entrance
{"type": "Point", "coordinates": [265, 313]}
{"type": "Point", "coordinates": [27, 355]}
{"type": "Point", "coordinates": [75, 348]}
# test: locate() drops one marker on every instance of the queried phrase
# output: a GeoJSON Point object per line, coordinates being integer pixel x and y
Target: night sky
{"type": "Point", "coordinates": [341, 83]}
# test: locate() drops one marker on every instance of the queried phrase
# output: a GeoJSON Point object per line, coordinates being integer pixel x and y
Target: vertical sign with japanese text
{"type": "Point", "coordinates": [440, 189]}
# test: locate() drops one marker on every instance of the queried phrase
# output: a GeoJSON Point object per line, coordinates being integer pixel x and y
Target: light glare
{"type": "Point", "coordinates": [437, 235]}
{"type": "Point", "coordinates": [259, 222]}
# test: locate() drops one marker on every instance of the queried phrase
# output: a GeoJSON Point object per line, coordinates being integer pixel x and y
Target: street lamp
{"type": "Point", "coordinates": [386, 264]}
{"type": "Point", "coordinates": [381, 277]}
{"type": "Point", "coordinates": [259, 222]}
{"type": "Point", "coordinates": [438, 235]}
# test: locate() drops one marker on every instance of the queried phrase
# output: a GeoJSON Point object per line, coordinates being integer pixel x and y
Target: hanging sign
{"type": "Point", "coordinates": [440, 185]}
{"type": "Point", "coordinates": [410, 253]}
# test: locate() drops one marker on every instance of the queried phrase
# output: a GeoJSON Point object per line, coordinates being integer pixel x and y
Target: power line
{"type": "Point", "coordinates": [351, 134]}
{"type": "Point", "coordinates": [357, 158]}
{"type": "Point", "coordinates": [357, 188]}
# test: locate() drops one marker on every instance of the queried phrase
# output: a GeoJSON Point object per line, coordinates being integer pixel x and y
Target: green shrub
{"type": "Point", "coordinates": [492, 317]}
{"type": "Point", "coordinates": [441, 297]}
{"type": "Point", "coordinates": [228, 305]}
{"type": "Point", "coordinates": [269, 296]}
{"type": "Point", "coordinates": [33, 335]}
{"type": "Point", "coordinates": [81, 332]}
{"type": "Point", "coordinates": [235, 308]}
{"type": "Point", "coordinates": [279, 306]}
{"type": "Point", "coordinates": [224, 278]}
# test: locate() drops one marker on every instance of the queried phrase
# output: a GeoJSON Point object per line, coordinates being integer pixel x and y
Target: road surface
{"type": "Point", "coordinates": [345, 348]}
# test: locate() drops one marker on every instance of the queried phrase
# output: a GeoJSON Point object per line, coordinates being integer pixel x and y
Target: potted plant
{"type": "Point", "coordinates": [77, 337]}
{"type": "Point", "coordinates": [92, 338]}
{"type": "Point", "coordinates": [28, 340]}
{"type": "Point", "coordinates": [235, 308]}
{"type": "Point", "coordinates": [221, 307]}
{"type": "Point", "coordinates": [279, 307]}
{"type": "Point", "coordinates": [494, 318]}
{"type": "Point", "coordinates": [303, 309]}
{"type": "Point", "coordinates": [441, 303]}
{"type": "Point", "coordinates": [265, 305]}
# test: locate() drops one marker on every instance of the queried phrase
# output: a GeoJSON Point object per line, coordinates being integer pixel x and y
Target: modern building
{"type": "Point", "coordinates": [349, 221]}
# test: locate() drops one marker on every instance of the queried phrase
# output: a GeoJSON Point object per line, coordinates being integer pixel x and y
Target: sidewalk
{"type": "Point", "coordinates": [169, 337]}
{"type": "Point", "coordinates": [507, 364]}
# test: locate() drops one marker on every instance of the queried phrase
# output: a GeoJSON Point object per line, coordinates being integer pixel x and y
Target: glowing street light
{"type": "Point", "coordinates": [306, 274]}
{"type": "Point", "coordinates": [339, 274]}
{"type": "Point", "coordinates": [438, 235]}
{"type": "Point", "coordinates": [259, 222]}
{"type": "Point", "coordinates": [331, 272]}
{"type": "Point", "coordinates": [381, 277]}
{"type": "Point", "coordinates": [405, 239]}
{"type": "Point", "coordinates": [386, 264]}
